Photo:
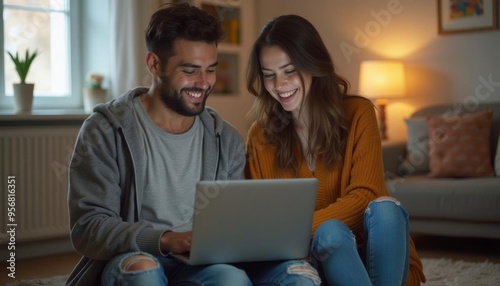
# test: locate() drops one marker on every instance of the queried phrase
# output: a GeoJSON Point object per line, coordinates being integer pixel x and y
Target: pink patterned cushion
{"type": "Point", "coordinates": [459, 146]}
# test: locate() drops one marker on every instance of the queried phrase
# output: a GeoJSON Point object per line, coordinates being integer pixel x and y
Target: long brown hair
{"type": "Point", "coordinates": [329, 126]}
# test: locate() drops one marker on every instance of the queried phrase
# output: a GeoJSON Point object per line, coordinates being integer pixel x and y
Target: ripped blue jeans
{"type": "Point", "coordinates": [382, 260]}
{"type": "Point", "coordinates": [170, 271]}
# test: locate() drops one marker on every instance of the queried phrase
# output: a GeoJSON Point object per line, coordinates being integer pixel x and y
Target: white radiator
{"type": "Point", "coordinates": [38, 158]}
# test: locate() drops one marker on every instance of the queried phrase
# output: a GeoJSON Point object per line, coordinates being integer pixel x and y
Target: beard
{"type": "Point", "coordinates": [174, 100]}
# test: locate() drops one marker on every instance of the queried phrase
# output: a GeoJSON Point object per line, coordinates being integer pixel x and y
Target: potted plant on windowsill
{"type": "Point", "coordinates": [23, 92]}
{"type": "Point", "coordinates": [93, 93]}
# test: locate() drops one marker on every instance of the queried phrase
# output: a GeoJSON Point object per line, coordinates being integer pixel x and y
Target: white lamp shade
{"type": "Point", "coordinates": [382, 79]}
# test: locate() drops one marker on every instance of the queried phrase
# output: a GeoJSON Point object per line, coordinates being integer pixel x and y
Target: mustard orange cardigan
{"type": "Point", "coordinates": [344, 191]}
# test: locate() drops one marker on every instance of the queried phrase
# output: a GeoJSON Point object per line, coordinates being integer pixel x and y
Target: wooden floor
{"type": "Point", "coordinates": [41, 267]}
{"type": "Point", "coordinates": [427, 246]}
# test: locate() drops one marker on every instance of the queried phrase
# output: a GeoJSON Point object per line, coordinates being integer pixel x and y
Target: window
{"type": "Point", "coordinates": [48, 26]}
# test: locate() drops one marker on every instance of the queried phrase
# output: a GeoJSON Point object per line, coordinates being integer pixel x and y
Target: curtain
{"type": "Point", "coordinates": [128, 23]}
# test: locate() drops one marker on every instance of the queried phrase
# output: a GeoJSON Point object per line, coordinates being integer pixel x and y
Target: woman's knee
{"type": "Point", "coordinates": [385, 204]}
{"type": "Point", "coordinates": [332, 234]}
{"type": "Point", "coordinates": [385, 199]}
{"type": "Point", "coordinates": [386, 210]}
{"type": "Point", "coordinates": [333, 230]}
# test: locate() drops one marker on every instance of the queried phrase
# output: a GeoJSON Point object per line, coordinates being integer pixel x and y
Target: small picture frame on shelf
{"type": "Point", "coordinates": [458, 16]}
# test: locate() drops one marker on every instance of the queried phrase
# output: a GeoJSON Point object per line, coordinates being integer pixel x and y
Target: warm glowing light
{"type": "Point", "coordinates": [382, 79]}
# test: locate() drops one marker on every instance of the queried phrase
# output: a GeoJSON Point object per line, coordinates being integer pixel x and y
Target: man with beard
{"type": "Point", "coordinates": [138, 158]}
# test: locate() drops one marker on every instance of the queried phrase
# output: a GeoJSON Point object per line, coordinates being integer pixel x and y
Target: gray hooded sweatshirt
{"type": "Point", "coordinates": [105, 194]}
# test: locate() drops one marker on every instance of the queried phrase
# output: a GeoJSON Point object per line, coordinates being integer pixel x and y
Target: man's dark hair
{"type": "Point", "coordinates": [180, 21]}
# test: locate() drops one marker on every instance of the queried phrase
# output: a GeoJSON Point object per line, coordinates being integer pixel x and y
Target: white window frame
{"type": "Point", "coordinates": [74, 99]}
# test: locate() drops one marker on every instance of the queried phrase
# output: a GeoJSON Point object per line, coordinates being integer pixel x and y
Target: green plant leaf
{"type": "Point", "coordinates": [23, 66]}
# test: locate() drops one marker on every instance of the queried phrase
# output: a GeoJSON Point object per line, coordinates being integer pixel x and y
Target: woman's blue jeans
{"type": "Point", "coordinates": [382, 260]}
{"type": "Point", "coordinates": [170, 271]}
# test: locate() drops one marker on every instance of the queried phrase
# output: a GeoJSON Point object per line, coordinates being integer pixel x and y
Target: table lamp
{"type": "Point", "coordinates": [382, 80]}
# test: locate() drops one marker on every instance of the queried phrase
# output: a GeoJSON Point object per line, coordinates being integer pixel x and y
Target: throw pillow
{"type": "Point", "coordinates": [459, 146]}
{"type": "Point", "coordinates": [417, 154]}
{"type": "Point", "coordinates": [497, 159]}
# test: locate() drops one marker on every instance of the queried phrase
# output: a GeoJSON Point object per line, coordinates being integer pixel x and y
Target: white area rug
{"type": "Point", "coordinates": [447, 272]}
{"type": "Point", "coordinates": [52, 281]}
{"type": "Point", "coordinates": [439, 272]}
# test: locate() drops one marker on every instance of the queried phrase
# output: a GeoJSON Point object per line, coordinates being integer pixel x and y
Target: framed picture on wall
{"type": "Point", "coordinates": [457, 16]}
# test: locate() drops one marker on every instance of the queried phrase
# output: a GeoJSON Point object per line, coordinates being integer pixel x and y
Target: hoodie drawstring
{"type": "Point", "coordinates": [219, 149]}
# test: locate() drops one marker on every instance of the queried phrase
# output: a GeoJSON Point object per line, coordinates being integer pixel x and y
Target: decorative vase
{"type": "Point", "coordinates": [92, 97]}
{"type": "Point", "coordinates": [23, 96]}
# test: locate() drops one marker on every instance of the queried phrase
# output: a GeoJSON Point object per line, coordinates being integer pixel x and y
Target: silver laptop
{"type": "Point", "coordinates": [251, 220]}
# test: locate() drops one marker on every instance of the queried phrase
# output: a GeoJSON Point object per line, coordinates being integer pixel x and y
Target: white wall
{"type": "Point", "coordinates": [439, 68]}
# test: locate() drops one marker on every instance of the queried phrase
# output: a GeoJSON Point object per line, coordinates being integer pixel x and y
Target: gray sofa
{"type": "Point", "coordinates": [462, 207]}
